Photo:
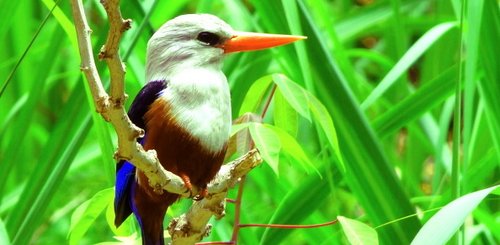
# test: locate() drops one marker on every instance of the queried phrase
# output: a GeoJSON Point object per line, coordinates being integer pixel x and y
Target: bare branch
{"type": "Point", "coordinates": [192, 226]}
{"type": "Point", "coordinates": [112, 109]}
{"type": "Point", "coordinates": [109, 52]}
{"type": "Point", "coordinates": [88, 66]}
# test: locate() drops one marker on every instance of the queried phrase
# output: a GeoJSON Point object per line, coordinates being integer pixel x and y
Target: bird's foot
{"type": "Point", "coordinates": [203, 194]}
{"type": "Point", "coordinates": [187, 183]}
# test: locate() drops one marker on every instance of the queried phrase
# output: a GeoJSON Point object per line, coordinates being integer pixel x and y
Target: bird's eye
{"type": "Point", "coordinates": [208, 38]}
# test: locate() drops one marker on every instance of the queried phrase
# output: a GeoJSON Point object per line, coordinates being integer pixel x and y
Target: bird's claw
{"type": "Point", "coordinates": [203, 194]}
{"type": "Point", "coordinates": [189, 188]}
{"type": "Point", "coordinates": [187, 184]}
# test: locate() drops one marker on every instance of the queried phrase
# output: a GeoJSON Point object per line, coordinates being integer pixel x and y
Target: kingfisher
{"type": "Point", "coordinates": [185, 111]}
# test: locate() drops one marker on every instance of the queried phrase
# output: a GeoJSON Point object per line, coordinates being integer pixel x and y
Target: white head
{"type": "Point", "coordinates": [187, 40]}
{"type": "Point", "coordinates": [201, 40]}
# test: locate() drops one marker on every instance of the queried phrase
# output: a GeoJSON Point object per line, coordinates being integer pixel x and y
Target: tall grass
{"type": "Point", "coordinates": [387, 72]}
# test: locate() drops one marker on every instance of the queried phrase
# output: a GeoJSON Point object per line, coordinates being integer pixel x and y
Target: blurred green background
{"type": "Point", "coordinates": [390, 73]}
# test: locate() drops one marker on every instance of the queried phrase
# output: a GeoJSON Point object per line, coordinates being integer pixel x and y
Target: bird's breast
{"type": "Point", "coordinates": [178, 150]}
{"type": "Point", "coordinates": [200, 104]}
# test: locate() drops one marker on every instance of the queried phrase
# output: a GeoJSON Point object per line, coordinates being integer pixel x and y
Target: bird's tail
{"type": "Point", "coordinates": [152, 232]}
{"type": "Point", "coordinates": [149, 209]}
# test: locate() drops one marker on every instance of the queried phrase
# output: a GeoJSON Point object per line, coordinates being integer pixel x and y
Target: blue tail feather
{"type": "Point", "coordinates": [125, 177]}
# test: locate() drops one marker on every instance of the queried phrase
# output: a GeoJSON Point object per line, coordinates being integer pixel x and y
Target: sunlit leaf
{"type": "Point", "coordinates": [268, 144]}
{"type": "Point", "coordinates": [292, 148]}
{"type": "Point", "coordinates": [358, 233]}
{"type": "Point", "coordinates": [294, 94]}
{"type": "Point", "coordinates": [255, 95]}
{"type": "Point", "coordinates": [305, 103]}
{"type": "Point", "coordinates": [325, 121]}
{"type": "Point", "coordinates": [284, 115]}
{"type": "Point", "coordinates": [440, 228]}
{"type": "Point", "coordinates": [4, 237]}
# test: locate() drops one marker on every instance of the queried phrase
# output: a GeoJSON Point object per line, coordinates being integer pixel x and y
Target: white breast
{"type": "Point", "coordinates": [200, 102]}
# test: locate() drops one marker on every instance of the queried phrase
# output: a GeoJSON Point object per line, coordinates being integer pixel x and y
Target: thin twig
{"type": "Point", "coordinates": [237, 211]}
{"type": "Point", "coordinates": [282, 226]}
{"type": "Point", "coordinates": [239, 197]}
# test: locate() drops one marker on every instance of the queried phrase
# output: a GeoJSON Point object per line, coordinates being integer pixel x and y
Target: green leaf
{"type": "Point", "coordinates": [86, 214]}
{"type": "Point", "coordinates": [321, 115]}
{"type": "Point", "coordinates": [255, 95]}
{"type": "Point", "coordinates": [285, 116]}
{"type": "Point", "coordinates": [292, 148]}
{"type": "Point", "coordinates": [358, 233]}
{"type": "Point", "coordinates": [304, 103]}
{"type": "Point", "coordinates": [268, 144]}
{"type": "Point", "coordinates": [294, 94]}
{"type": "Point", "coordinates": [441, 227]}
{"type": "Point", "coordinates": [235, 128]}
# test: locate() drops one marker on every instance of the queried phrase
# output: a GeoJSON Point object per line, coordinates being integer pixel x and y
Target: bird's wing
{"type": "Point", "coordinates": [125, 171]}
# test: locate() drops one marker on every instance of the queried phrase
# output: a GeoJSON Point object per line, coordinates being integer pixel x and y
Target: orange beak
{"type": "Point", "coordinates": [246, 41]}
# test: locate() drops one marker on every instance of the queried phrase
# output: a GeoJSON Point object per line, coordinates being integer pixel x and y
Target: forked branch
{"type": "Point", "coordinates": [192, 226]}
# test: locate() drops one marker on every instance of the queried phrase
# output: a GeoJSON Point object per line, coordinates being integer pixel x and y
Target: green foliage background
{"type": "Point", "coordinates": [390, 73]}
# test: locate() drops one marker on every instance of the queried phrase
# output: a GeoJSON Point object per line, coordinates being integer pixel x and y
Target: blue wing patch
{"type": "Point", "coordinates": [125, 171]}
{"type": "Point", "coordinates": [125, 177]}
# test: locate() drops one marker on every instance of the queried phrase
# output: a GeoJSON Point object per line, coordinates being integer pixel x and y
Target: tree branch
{"type": "Point", "coordinates": [111, 108]}
{"type": "Point", "coordinates": [192, 226]}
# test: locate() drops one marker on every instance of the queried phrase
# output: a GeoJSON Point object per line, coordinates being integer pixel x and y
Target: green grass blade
{"type": "Point", "coordinates": [413, 106]}
{"type": "Point", "coordinates": [371, 16]}
{"type": "Point", "coordinates": [4, 236]}
{"type": "Point", "coordinates": [489, 87]}
{"type": "Point", "coordinates": [474, 20]}
{"type": "Point", "coordinates": [25, 116]}
{"type": "Point", "coordinates": [52, 166]}
{"type": "Point", "coordinates": [293, 20]}
{"type": "Point", "coordinates": [422, 45]}
{"type": "Point", "coordinates": [63, 21]}
{"type": "Point", "coordinates": [105, 139]}
{"type": "Point", "coordinates": [489, 220]}
{"type": "Point", "coordinates": [369, 174]}
{"type": "Point", "coordinates": [13, 71]}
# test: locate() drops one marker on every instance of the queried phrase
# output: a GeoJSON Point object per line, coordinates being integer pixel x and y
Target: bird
{"type": "Point", "coordinates": [185, 112]}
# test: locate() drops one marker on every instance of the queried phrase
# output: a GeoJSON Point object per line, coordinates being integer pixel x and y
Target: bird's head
{"type": "Point", "coordinates": [201, 40]}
